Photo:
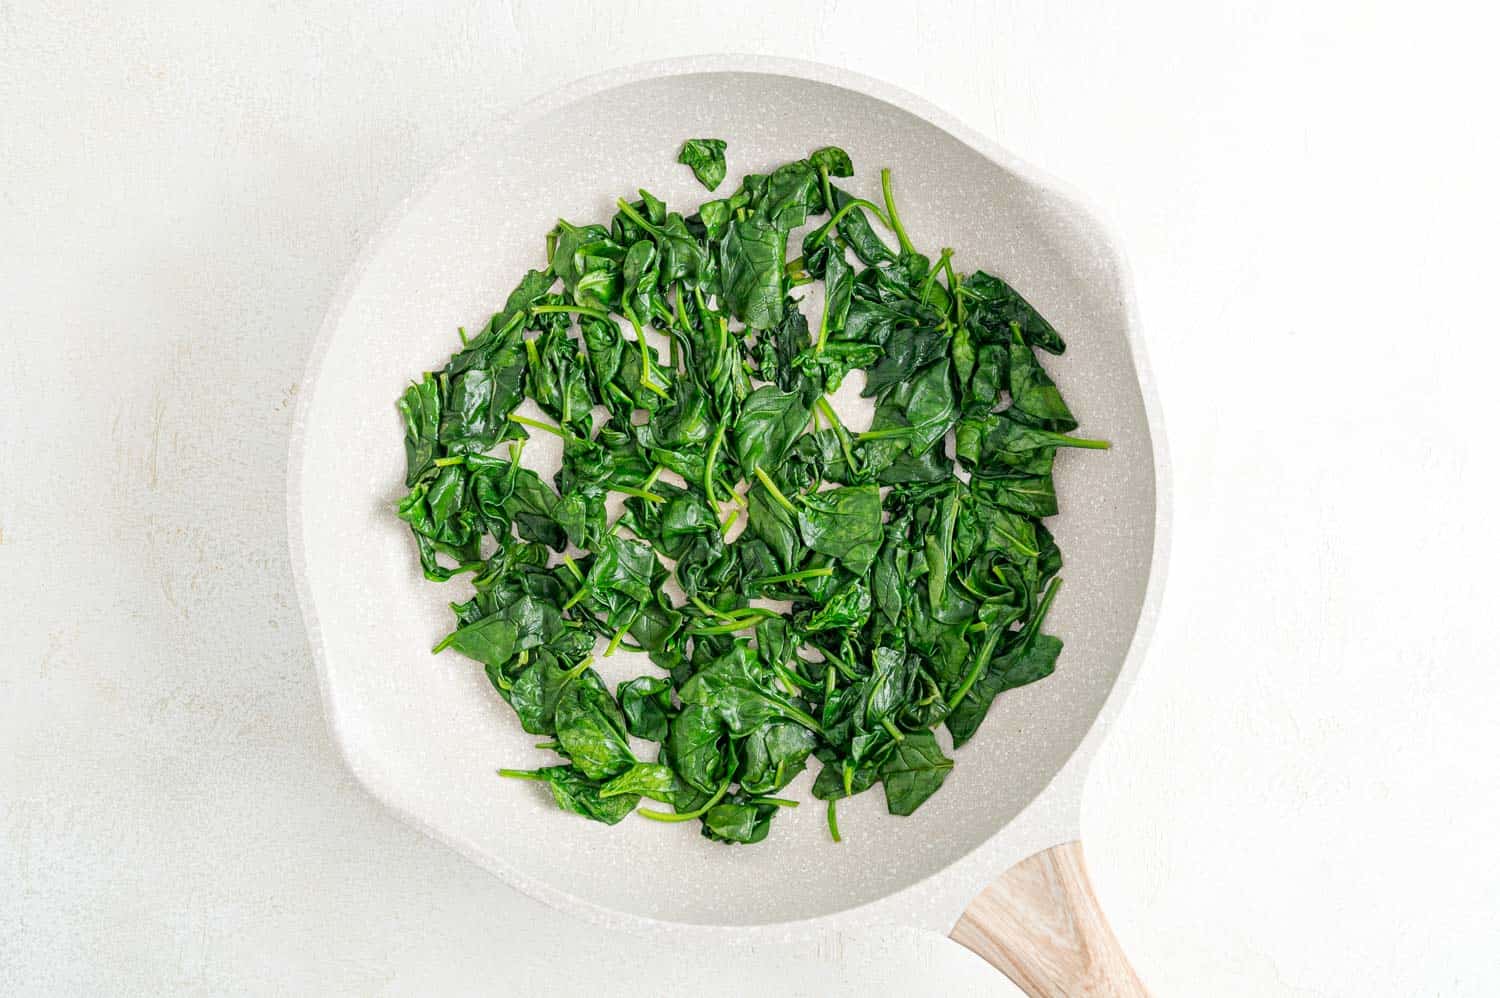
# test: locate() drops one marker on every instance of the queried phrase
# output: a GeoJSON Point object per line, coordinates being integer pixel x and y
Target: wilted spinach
{"type": "Point", "coordinates": [918, 574]}
{"type": "Point", "coordinates": [706, 157]}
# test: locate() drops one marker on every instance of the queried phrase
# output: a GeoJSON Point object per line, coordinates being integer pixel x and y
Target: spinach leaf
{"type": "Point", "coordinates": [776, 525]}
{"type": "Point", "coordinates": [706, 157]}
{"type": "Point", "coordinates": [739, 688]}
{"type": "Point", "coordinates": [421, 409]}
{"type": "Point", "coordinates": [769, 421]}
{"type": "Point", "coordinates": [775, 753]}
{"type": "Point", "coordinates": [491, 640]}
{"type": "Point", "coordinates": [742, 822]}
{"type": "Point", "coordinates": [645, 779]}
{"type": "Point", "coordinates": [591, 728]}
{"type": "Point", "coordinates": [695, 747]}
{"type": "Point", "coordinates": [843, 523]}
{"type": "Point", "coordinates": [647, 704]}
{"type": "Point", "coordinates": [536, 690]}
{"type": "Point", "coordinates": [995, 305]}
{"type": "Point", "coordinates": [913, 772]}
{"type": "Point", "coordinates": [575, 792]}
{"type": "Point", "coordinates": [752, 266]}
{"type": "Point", "coordinates": [1031, 391]}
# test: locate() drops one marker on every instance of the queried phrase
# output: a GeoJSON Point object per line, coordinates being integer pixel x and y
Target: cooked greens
{"type": "Point", "coordinates": [916, 575]}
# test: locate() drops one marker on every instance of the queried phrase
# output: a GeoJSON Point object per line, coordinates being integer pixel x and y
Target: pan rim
{"type": "Point", "coordinates": [1051, 816]}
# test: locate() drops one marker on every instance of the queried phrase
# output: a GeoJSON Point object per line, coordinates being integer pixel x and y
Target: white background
{"type": "Point", "coordinates": [1302, 795]}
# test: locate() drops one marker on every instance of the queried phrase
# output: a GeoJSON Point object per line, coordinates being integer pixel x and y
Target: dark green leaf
{"type": "Point", "coordinates": [769, 421]}
{"type": "Point", "coordinates": [706, 157]}
{"type": "Point", "coordinates": [647, 704]}
{"type": "Point", "coordinates": [843, 523]}
{"type": "Point", "coordinates": [577, 793]}
{"type": "Point", "coordinates": [735, 822]}
{"type": "Point", "coordinates": [913, 772]}
{"type": "Point", "coordinates": [591, 728]}
{"type": "Point", "coordinates": [752, 263]}
{"type": "Point", "coordinates": [644, 779]}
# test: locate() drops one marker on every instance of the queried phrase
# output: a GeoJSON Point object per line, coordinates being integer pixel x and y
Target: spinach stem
{"type": "Point", "coordinates": [597, 313]}
{"type": "Point", "coordinates": [572, 566]}
{"type": "Point", "coordinates": [646, 812]}
{"type": "Point", "coordinates": [790, 679]}
{"type": "Point", "coordinates": [708, 465]}
{"type": "Point", "coordinates": [681, 320]}
{"type": "Point", "coordinates": [765, 480]}
{"type": "Point", "coordinates": [890, 206]}
{"type": "Point", "coordinates": [734, 514]}
{"type": "Point", "coordinates": [987, 650]}
{"type": "Point", "coordinates": [776, 801]}
{"type": "Point", "coordinates": [823, 322]}
{"type": "Point", "coordinates": [981, 660]}
{"type": "Point", "coordinates": [895, 732]}
{"type": "Point", "coordinates": [1043, 605]}
{"type": "Point", "coordinates": [710, 610]}
{"type": "Point", "coordinates": [736, 624]}
{"type": "Point", "coordinates": [827, 189]}
{"type": "Point", "coordinates": [713, 375]}
{"type": "Point", "coordinates": [838, 430]}
{"type": "Point", "coordinates": [444, 462]}
{"type": "Point", "coordinates": [750, 613]}
{"type": "Point", "coordinates": [833, 821]}
{"type": "Point", "coordinates": [931, 277]}
{"type": "Point", "coordinates": [958, 300]}
{"type": "Point", "coordinates": [637, 217]}
{"type": "Point", "coordinates": [638, 493]}
{"type": "Point", "coordinates": [838, 663]}
{"type": "Point", "coordinates": [802, 718]}
{"type": "Point", "coordinates": [811, 573]}
{"type": "Point", "coordinates": [850, 205]}
{"type": "Point", "coordinates": [890, 431]}
{"type": "Point", "coordinates": [537, 424]}
{"type": "Point", "coordinates": [640, 341]}
{"type": "Point", "coordinates": [614, 642]}
{"type": "Point", "coordinates": [521, 774]}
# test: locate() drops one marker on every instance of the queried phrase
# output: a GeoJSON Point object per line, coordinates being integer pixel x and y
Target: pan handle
{"type": "Point", "coordinates": [1041, 926]}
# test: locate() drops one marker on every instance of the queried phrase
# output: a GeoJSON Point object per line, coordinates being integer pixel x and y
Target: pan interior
{"type": "Point", "coordinates": [426, 733]}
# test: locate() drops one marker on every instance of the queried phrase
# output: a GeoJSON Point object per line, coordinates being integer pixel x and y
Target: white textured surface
{"type": "Point", "coordinates": [1300, 797]}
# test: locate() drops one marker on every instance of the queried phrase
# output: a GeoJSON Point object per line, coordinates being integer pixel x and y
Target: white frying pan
{"type": "Point", "coordinates": [425, 734]}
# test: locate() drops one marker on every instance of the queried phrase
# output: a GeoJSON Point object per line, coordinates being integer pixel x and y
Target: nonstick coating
{"type": "Point", "coordinates": [426, 733]}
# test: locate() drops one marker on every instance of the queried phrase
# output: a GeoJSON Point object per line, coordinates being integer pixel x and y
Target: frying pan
{"type": "Point", "coordinates": [426, 733]}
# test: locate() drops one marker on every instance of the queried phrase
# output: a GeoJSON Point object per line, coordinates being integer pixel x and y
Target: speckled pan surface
{"type": "Point", "coordinates": [426, 733]}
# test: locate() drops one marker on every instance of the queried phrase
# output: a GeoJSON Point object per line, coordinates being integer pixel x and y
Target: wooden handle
{"type": "Point", "coordinates": [1041, 926]}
